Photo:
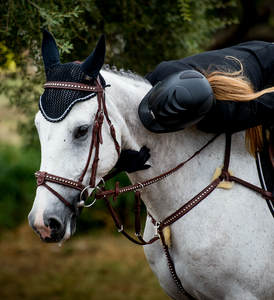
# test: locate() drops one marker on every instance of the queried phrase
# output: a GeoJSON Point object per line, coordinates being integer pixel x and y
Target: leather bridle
{"type": "Point", "coordinates": [96, 140]}
{"type": "Point", "coordinates": [101, 193]}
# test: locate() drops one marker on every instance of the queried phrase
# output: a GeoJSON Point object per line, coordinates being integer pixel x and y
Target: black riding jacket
{"type": "Point", "coordinates": [228, 116]}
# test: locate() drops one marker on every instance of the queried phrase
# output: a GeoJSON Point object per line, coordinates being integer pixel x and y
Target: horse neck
{"type": "Point", "coordinates": [167, 150]}
{"type": "Point", "coordinates": [123, 99]}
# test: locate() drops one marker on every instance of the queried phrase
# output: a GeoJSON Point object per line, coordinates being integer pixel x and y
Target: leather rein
{"type": "Point", "coordinates": [102, 193]}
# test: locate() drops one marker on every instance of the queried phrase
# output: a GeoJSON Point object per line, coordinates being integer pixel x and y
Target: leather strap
{"type": "Point", "coordinates": [172, 267]}
{"type": "Point", "coordinates": [72, 86]}
{"type": "Point", "coordinates": [227, 177]}
{"type": "Point", "coordinates": [190, 204]}
{"type": "Point", "coordinates": [265, 194]}
{"type": "Point", "coordinates": [41, 178]}
{"type": "Point", "coordinates": [209, 189]}
{"type": "Point", "coordinates": [44, 176]}
{"type": "Point", "coordinates": [173, 218]}
{"type": "Point", "coordinates": [141, 185]}
{"type": "Point", "coordinates": [120, 226]}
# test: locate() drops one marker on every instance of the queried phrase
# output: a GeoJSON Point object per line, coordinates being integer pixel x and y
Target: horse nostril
{"type": "Point", "coordinates": [55, 225]}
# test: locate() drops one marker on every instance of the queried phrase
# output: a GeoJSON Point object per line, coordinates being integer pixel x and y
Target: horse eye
{"type": "Point", "coordinates": [82, 131]}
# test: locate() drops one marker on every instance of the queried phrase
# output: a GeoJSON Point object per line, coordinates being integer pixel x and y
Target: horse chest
{"type": "Point", "coordinates": [225, 252]}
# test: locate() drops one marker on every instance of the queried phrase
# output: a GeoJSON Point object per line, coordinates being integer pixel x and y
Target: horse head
{"type": "Point", "coordinates": [70, 124]}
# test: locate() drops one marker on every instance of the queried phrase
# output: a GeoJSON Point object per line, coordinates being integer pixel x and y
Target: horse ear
{"type": "Point", "coordinates": [93, 64]}
{"type": "Point", "coordinates": [50, 51]}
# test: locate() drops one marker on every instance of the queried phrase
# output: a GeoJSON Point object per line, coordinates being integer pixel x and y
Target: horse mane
{"type": "Point", "coordinates": [128, 74]}
{"type": "Point", "coordinates": [254, 136]}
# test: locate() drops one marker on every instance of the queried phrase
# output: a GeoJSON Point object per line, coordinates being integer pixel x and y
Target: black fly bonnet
{"type": "Point", "coordinates": [55, 103]}
{"type": "Point", "coordinates": [66, 85]}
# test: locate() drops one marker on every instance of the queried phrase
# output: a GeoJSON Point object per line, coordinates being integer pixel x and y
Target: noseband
{"type": "Point", "coordinates": [42, 176]}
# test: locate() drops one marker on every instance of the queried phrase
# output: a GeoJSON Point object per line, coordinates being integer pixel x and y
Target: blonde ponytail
{"type": "Point", "coordinates": [234, 86]}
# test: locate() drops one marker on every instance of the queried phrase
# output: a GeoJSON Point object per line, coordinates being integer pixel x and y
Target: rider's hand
{"type": "Point", "coordinates": [132, 161]}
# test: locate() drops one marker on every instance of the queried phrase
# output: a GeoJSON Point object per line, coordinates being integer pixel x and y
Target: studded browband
{"type": "Point", "coordinates": [72, 86]}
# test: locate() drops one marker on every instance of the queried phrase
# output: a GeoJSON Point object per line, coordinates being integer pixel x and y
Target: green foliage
{"type": "Point", "coordinates": [17, 184]}
{"type": "Point", "coordinates": [6, 58]}
{"type": "Point", "coordinates": [184, 8]}
{"type": "Point", "coordinates": [21, 23]}
{"type": "Point", "coordinates": [202, 18]}
{"type": "Point", "coordinates": [140, 34]}
{"type": "Point", "coordinates": [21, 26]}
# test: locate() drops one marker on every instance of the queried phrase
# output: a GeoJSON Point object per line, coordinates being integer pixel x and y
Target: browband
{"type": "Point", "coordinates": [72, 86]}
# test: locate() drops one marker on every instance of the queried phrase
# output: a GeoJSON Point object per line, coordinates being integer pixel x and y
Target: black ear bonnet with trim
{"type": "Point", "coordinates": [177, 102]}
{"type": "Point", "coordinates": [55, 104]}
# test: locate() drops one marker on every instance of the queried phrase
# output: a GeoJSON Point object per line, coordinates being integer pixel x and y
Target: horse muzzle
{"type": "Point", "coordinates": [54, 222]}
{"type": "Point", "coordinates": [52, 229]}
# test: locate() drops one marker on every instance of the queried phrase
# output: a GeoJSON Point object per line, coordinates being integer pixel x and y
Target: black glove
{"type": "Point", "coordinates": [132, 161]}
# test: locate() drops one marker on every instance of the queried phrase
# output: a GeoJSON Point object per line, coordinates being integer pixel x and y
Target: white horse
{"type": "Point", "coordinates": [221, 249]}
